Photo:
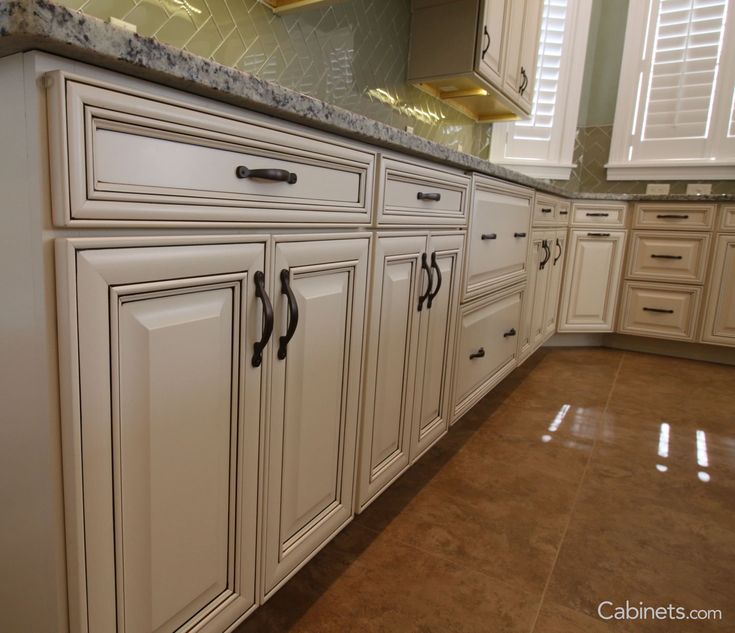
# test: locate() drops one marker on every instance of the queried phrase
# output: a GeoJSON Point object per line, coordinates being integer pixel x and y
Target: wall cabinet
{"type": "Point", "coordinates": [414, 298]}
{"type": "Point", "coordinates": [719, 318]}
{"type": "Point", "coordinates": [591, 279]}
{"type": "Point", "coordinates": [477, 55]}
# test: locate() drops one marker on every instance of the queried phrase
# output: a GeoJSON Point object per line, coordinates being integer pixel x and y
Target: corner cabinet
{"type": "Point", "coordinates": [477, 55]}
{"type": "Point", "coordinates": [719, 317]}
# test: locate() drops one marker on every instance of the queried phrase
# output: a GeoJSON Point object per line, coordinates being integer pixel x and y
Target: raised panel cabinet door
{"type": "Point", "coordinates": [431, 411]}
{"type": "Point", "coordinates": [522, 34]}
{"type": "Point", "coordinates": [537, 254]}
{"type": "Point", "coordinates": [319, 307]}
{"type": "Point", "coordinates": [398, 280]}
{"type": "Point", "coordinates": [161, 432]}
{"type": "Point", "coordinates": [591, 281]}
{"type": "Point", "coordinates": [719, 319]}
{"type": "Point", "coordinates": [541, 288]}
{"type": "Point", "coordinates": [490, 41]}
{"type": "Point", "coordinates": [556, 265]}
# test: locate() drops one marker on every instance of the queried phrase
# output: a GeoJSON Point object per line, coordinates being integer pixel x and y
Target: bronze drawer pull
{"type": "Point", "coordinates": [597, 215]}
{"type": "Point", "coordinates": [598, 235]}
{"type": "Point", "coordinates": [489, 236]}
{"type": "Point", "coordinates": [666, 256]}
{"type": "Point", "coordinates": [660, 310]}
{"type": "Point", "coordinates": [672, 216]}
{"type": "Point", "coordinates": [434, 197]}
{"type": "Point", "coordinates": [277, 175]}
{"type": "Point", "coordinates": [480, 353]}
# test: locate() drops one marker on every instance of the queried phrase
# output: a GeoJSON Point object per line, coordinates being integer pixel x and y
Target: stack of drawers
{"type": "Point", "coordinates": [666, 270]}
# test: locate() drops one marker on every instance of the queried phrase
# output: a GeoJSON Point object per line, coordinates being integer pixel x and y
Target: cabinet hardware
{"type": "Point", "coordinates": [435, 266]}
{"type": "Point", "coordinates": [524, 83]}
{"type": "Point", "coordinates": [598, 235]}
{"type": "Point", "coordinates": [277, 175]}
{"type": "Point", "coordinates": [480, 353]}
{"type": "Point", "coordinates": [667, 256]}
{"type": "Point", "coordinates": [673, 216]}
{"type": "Point", "coordinates": [558, 245]}
{"type": "Point", "coordinates": [489, 236]}
{"type": "Point", "coordinates": [429, 277]}
{"type": "Point", "coordinates": [546, 210]}
{"type": "Point", "coordinates": [563, 212]}
{"type": "Point", "coordinates": [661, 310]}
{"type": "Point", "coordinates": [519, 235]}
{"type": "Point", "coordinates": [511, 332]}
{"type": "Point", "coordinates": [267, 328]}
{"type": "Point", "coordinates": [293, 314]}
{"type": "Point", "coordinates": [547, 250]}
{"type": "Point", "coordinates": [487, 46]}
{"type": "Point", "coordinates": [435, 197]}
{"type": "Point", "coordinates": [597, 215]}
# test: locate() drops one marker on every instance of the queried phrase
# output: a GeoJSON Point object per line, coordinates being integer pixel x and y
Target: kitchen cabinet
{"type": "Point", "coordinates": [556, 267]}
{"type": "Point", "coordinates": [477, 55]}
{"type": "Point", "coordinates": [591, 279]}
{"type": "Point", "coordinates": [415, 292]}
{"type": "Point", "coordinates": [538, 293]}
{"type": "Point", "coordinates": [719, 316]}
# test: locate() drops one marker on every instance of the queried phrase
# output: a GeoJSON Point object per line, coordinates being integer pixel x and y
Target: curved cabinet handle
{"type": "Point", "coordinates": [425, 267]}
{"type": "Point", "coordinates": [487, 46]}
{"type": "Point", "coordinates": [434, 197]}
{"type": "Point", "coordinates": [277, 175]}
{"type": "Point", "coordinates": [558, 245]}
{"type": "Point", "coordinates": [524, 82]}
{"type": "Point", "coordinates": [293, 314]}
{"type": "Point", "coordinates": [511, 332]}
{"type": "Point", "coordinates": [519, 234]}
{"type": "Point", "coordinates": [545, 246]}
{"type": "Point", "coordinates": [489, 236]}
{"type": "Point", "coordinates": [435, 266]}
{"type": "Point", "coordinates": [259, 346]}
{"type": "Point", "coordinates": [480, 353]}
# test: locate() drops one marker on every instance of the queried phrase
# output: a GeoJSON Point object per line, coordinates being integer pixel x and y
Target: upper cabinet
{"type": "Point", "coordinates": [477, 55]}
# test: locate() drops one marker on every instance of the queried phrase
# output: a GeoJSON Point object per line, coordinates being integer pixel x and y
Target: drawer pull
{"type": "Point", "coordinates": [546, 210]}
{"type": "Point", "coordinates": [489, 236]}
{"type": "Point", "coordinates": [598, 235]}
{"type": "Point", "coordinates": [666, 256]}
{"type": "Point", "coordinates": [660, 310]}
{"type": "Point", "coordinates": [435, 267]}
{"type": "Point", "coordinates": [277, 175]}
{"type": "Point", "coordinates": [673, 216]}
{"type": "Point", "coordinates": [480, 353]}
{"type": "Point", "coordinates": [597, 215]}
{"type": "Point", "coordinates": [425, 267]}
{"type": "Point", "coordinates": [511, 332]}
{"type": "Point", "coordinates": [429, 196]}
{"type": "Point", "coordinates": [519, 235]}
{"type": "Point", "coordinates": [563, 212]}
{"type": "Point", "coordinates": [259, 346]}
{"type": "Point", "coordinates": [293, 314]}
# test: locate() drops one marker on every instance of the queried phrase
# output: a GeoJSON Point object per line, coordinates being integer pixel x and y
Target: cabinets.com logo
{"type": "Point", "coordinates": [607, 610]}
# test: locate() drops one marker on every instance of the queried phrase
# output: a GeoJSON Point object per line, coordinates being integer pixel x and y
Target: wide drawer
{"type": "Point", "coordinates": [487, 346]}
{"type": "Point", "coordinates": [728, 219]}
{"type": "Point", "coordinates": [498, 243]}
{"type": "Point", "coordinates": [594, 214]}
{"type": "Point", "coordinates": [416, 194]}
{"type": "Point", "coordinates": [121, 157]}
{"type": "Point", "coordinates": [683, 217]}
{"type": "Point", "coordinates": [668, 256]}
{"type": "Point", "coordinates": [663, 311]}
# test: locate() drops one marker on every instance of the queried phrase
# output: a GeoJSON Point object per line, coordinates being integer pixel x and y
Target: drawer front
{"type": "Point", "coordinates": [544, 211]}
{"type": "Point", "coordinates": [487, 346]}
{"type": "Point", "coordinates": [728, 219]}
{"type": "Point", "coordinates": [415, 194]}
{"type": "Point", "coordinates": [595, 214]}
{"type": "Point", "coordinates": [563, 210]}
{"type": "Point", "coordinates": [668, 256]}
{"type": "Point", "coordinates": [663, 311]}
{"type": "Point", "coordinates": [682, 217]}
{"type": "Point", "coordinates": [498, 243]}
{"type": "Point", "coordinates": [120, 157]}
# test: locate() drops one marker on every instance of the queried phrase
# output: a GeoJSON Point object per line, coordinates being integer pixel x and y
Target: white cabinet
{"type": "Point", "coordinates": [314, 398]}
{"type": "Point", "coordinates": [591, 280]}
{"type": "Point", "coordinates": [415, 291]}
{"type": "Point", "coordinates": [538, 293]}
{"type": "Point", "coordinates": [161, 409]}
{"type": "Point", "coordinates": [556, 268]}
{"type": "Point", "coordinates": [490, 40]}
{"type": "Point", "coordinates": [522, 36]}
{"type": "Point", "coordinates": [719, 317]}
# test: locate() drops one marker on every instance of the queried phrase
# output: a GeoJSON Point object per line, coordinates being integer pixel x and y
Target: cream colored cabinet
{"type": "Point", "coordinates": [719, 317]}
{"type": "Point", "coordinates": [314, 398]}
{"type": "Point", "coordinates": [415, 291]}
{"type": "Point", "coordinates": [556, 268]}
{"type": "Point", "coordinates": [491, 41]}
{"type": "Point", "coordinates": [539, 292]}
{"type": "Point", "coordinates": [522, 33]}
{"type": "Point", "coordinates": [161, 390]}
{"type": "Point", "coordinates": [537, 255]}
{"type": "Point", "coordinates": [591, 279]}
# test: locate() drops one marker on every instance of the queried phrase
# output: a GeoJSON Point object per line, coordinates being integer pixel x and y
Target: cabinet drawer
{"type": "Point", "coordinates": [499, 234]}
{"type": "Point", "coordinates": [544, 211]}
{"type": "Point", "coordinates": [121, 157]}
{"type": "Point", "coordinates": [487, 346]}
{"type": "Point", "coordinates": [668, 256]}
{"type": "Point", "coordinates": [416, 194]}
{"type": "Point", "coordinates": [562, 212]}
{"type": "Point", "coordinates": [594, 214]}
{"type": "Point", "coordinates": [664, 311]}
{"type": "Point", "coordinates": [691, 217]}
{"type": "Point", "coordinates": [728, 219]}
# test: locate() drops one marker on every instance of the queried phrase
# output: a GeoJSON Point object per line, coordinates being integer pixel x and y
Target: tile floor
{"type": "Point", "coordinates": [588, 475]}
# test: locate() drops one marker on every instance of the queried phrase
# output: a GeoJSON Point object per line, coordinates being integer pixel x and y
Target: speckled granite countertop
{"type": "Point", "coordinates": [41, 25]}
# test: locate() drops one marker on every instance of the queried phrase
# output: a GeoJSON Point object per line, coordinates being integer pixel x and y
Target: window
{"type": "Point", "coordinates": [542, 146]}
{"type": "Point", "coordinates": [674, 114]}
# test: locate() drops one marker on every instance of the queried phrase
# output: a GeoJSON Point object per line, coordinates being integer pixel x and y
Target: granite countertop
{"type": "Point", "coordinates": [41, 25]}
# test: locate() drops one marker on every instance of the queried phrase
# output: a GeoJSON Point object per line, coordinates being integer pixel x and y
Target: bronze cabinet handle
{"type": "Point", "coordinates": [480, 353]}
{"type": "Point", "coordinates": [293, 314]}
{"type": "Point", "coordinates": [277, 175]}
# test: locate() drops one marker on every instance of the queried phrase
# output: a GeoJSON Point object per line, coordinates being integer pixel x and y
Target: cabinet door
{"type": "Point", "coordinates": [537, 255]}
{"type": "Point", "coordinates": [556, 266]}
{"type": "Point", "coordinates": [398, 279]}
{"type": "Point", "coordinates": [315, 389]}
{"type": "Point", "coordinates": [490, 41]}
{"type": "Point", "coordinates": [719, 319]}
{"type": "Point", "coordinates": [161, 442]}
{"type": "Point", "coordinates": [523, 34]}
{"type": "Point", "coordinates": [434, 367]}
{"type": "Point", "coordinates": [541, 288]}
{"type": "Point", "coordinates": [591, 281]}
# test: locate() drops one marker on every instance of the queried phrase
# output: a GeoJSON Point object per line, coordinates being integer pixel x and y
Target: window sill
{"type": "Point", "coordinates": [680, 171]}
{"type": "Point", "coordinates": [546, 172]}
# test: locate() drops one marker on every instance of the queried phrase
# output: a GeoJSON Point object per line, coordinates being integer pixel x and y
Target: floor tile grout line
{"type": "Point", "coordinates": [576, 499]}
